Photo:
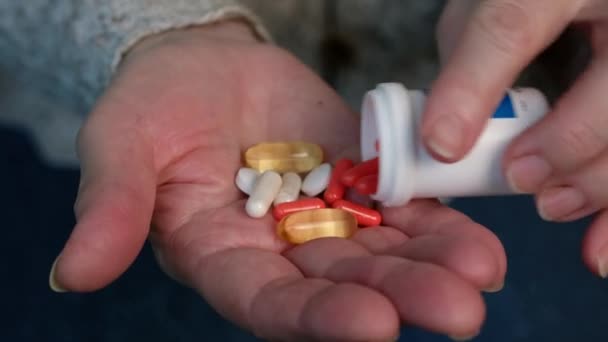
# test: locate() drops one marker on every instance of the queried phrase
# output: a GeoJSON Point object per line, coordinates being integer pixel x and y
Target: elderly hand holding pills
{"type": "Point", "coordinates": [159, 157]}
{"type": "Point", "coordinates": [563, 159]}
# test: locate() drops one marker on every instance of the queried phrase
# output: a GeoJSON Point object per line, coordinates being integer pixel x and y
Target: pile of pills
{"type": "Point", "coordinates": [305, 194]}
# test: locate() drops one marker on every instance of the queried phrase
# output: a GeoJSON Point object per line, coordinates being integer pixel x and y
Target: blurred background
{"type": "Point", "coordinates": [548, 295]}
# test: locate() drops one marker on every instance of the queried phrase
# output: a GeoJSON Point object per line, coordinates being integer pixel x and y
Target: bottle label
{"type": "Point", "coordinates": [505, 109]}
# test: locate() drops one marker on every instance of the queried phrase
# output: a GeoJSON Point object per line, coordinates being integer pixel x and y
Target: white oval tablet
{"type": "Point", "coordinates": [264, 192]}
{"type": "Point", "coordinates": [316, 181]}
{"type": "Point", "coordinates": [245, 179]}
{"type": "Point", "coordinates": [290, 189]}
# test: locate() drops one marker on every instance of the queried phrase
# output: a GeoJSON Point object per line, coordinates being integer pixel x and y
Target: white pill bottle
{"type": "Point", "coordinates": [390, 120]}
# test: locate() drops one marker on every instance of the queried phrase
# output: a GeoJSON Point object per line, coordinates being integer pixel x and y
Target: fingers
{"type": "Point", "coordinates": [113, 208]}
{"type": "Point", "coordinates": [413, 220]}
{"type": "Point", "coordinates": [564, 203]}
{"type": "Point", "coordinates": [425, 295]}
{"type": "Point", "coordinates": [282, 299]}
{"type": "Point", "coordinates": [264, 292]}
{"type": "Point", "coordinates": [315, 257]}
{"type": "Point", "coordinates": [595, 246]}
{"type": "Point", "coordinates": [500, 39]}
{"type": "Point", "coordinates": [235, 263]}
{"type": "Point", "coordinates": [460, 254]}
{"type": "Point", "coordinates": [377, 319]}
{"type": "Point", "coordinates": [573, 135]}
{"type": "Point", "coordinates": [337, 260]}
{"type": "Point", "coordinates": [378, 240]}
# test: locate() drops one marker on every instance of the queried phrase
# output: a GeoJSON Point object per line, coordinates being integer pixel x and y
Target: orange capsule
{"type": "Point", "coordinates": [287, 208]}
{"type": "Point", "coordinates": [283, 157]}
{"type": "Point", "coordinates": [365, 216]}
{"type": "Point", "coordinates": [377, 146]}
{"type": "Point", "coordinates": [367, 185]}
{"type": "Point", "coordinates": [335, 189]}
{"type": "Point", "coordinates": [308, 225]}
{"type": "Point", "coordinates": [366, 168]}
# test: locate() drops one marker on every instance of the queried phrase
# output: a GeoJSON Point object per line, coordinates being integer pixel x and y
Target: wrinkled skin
{"type": "Point", "coordinates": [159, 154]}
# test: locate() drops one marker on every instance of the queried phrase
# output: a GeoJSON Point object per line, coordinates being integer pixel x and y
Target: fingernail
{"type": "Point", "coordinates": [495, 289]}
{"type": "Point", "coordinates": [528, 173]}
{"type": "Point", "coordinates": [446, 136]}
{"type": "Point", "coordinates": [556, 203]}
{"type": "Point", "coordinates": [53, 284]}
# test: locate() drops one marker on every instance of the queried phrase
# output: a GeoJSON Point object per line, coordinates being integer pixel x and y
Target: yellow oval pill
{"type": "Point", "coordinates": [313, 224]}
{"type": "Point", "coordinates": [282, 157]}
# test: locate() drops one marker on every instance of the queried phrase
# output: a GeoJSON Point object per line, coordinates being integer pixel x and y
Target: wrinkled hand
{"type": "Point", "coordinates": [159, 156]}
{"type": "Point", "coordinates": [564, 158]}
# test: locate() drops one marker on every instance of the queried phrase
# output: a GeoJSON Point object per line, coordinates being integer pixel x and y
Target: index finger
{"type": "Point", "coordinates": [500, 39]}
{"type": "Point", "coordinates": [428, 218]}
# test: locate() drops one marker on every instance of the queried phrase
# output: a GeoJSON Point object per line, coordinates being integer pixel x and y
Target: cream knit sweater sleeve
{"type": "Point", "coordinates": [70, 48]}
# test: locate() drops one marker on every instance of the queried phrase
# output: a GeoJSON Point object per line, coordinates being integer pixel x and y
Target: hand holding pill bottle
{"type": "Point", "coordinates": [484, 46]}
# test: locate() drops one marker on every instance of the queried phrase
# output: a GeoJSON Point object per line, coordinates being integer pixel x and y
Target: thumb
{"type": "Point", "coordinates": [114, 204]}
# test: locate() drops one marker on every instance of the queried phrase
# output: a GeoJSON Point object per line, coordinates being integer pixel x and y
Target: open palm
{"type": "Point", "coordinates": [159, 156]}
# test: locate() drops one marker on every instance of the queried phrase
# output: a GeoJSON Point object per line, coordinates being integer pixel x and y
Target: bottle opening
{"type": "Point", "coordinates": [369, 129]}
{"type": "Point", "coordinates": [387, 127]}
{"type": "Point", "coordinates": [376, 132]}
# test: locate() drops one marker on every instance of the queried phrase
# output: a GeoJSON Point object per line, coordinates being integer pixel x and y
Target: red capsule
{"type": "Point", "coordinates": [335, 188]}
{"type": "Point", "coordinates": [377, 146]}
{"type": "Point", "coordinates": [366, 168]}
{"type": "Point", "coordinates": [367, 185]}
{"type": "Point", "coordinates": [284, 209]}
{"type": "Point", "coordinates": [365, 216]}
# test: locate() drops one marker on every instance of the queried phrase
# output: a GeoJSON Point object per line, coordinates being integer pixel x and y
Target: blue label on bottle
{"type": "Point", "coordinates": [505, 109]}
